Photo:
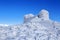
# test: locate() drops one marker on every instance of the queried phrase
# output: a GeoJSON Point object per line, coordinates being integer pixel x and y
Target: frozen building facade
{"type": "Point", "coordinates": [44, 14]}
{"type": "Point", "coordinates": [28, 17]}
{"type": "Point", "coordinates": [38, 27]}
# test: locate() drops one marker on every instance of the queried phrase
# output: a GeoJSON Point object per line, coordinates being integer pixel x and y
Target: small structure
{"type": "Point", "coordinates": [44, 14]}
{"type": "Point", "coordinates": [28, 17]}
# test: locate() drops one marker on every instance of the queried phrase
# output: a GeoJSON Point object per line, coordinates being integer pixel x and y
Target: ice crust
{"type": "Point", "coordinates": [44, 14]}
{"type": "Point", "coordinates": [37, 28]}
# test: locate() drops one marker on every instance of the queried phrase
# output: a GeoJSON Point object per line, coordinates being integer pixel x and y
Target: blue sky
{"type": "Point", "coordinates": [13, 11]}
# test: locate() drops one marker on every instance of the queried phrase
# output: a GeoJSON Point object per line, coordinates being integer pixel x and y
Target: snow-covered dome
{"type": "Point", "coordinates": [44, 14]}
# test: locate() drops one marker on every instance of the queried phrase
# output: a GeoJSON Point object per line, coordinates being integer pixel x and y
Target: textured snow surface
{"type": "Point", "coordinates": [4, 25]}
{"type": "Point", "coordinates": [34, 28]}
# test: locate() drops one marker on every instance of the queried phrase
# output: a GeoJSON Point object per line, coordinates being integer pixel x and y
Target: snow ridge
{"type": "Point", "coordinates": [38, 27]}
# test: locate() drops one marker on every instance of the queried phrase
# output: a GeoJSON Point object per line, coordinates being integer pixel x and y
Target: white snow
{"type": "Point", "coordinates": [34, 28]}
{"type": "Point", "coordinates": [44, 14]}
{"type": "Point", "coordinates": [28, 17]}
{"type": "Point", "coordinates": [4, 25]}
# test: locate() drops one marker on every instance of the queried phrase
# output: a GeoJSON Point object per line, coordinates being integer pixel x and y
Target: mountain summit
{"type": "Point", "coordinates": [39, 27]}
{"type": "Point", "coordinates": [43, 15]}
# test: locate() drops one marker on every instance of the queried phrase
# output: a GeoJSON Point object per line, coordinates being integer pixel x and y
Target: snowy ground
{"type": "Point", "coordinates": [33, 28]}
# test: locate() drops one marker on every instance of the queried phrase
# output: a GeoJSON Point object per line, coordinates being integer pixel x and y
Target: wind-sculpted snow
{"type": "Point", "coordinates": [35, 29]}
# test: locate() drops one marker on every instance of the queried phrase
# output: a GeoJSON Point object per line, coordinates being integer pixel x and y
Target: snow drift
{"type": "Point", "coordinates": [38, 27]}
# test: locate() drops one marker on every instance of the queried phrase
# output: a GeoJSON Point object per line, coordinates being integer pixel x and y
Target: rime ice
{"type": "Point", "coordinates": [38, 27]}
{"type": "Point", "coordinates": [44, 14]}
{"type": "Point", "coordinates": [28, 17]}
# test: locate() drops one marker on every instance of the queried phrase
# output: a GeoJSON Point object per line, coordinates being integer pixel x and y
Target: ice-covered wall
{"type": "Point", "coordinates": [44, 14]}
{"type": "Point", "coordinates": [28, 17]}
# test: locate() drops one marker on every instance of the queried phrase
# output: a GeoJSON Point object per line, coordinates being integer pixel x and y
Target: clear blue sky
{"type": "Point", "coordinates": [13, 11]}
